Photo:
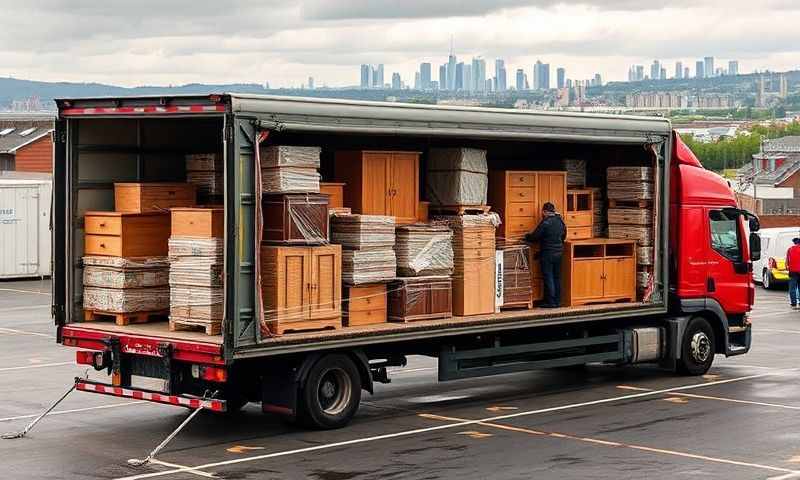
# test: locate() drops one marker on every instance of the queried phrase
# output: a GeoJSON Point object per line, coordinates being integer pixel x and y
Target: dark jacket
{"type": "Point", "coordinates": [550, 233]}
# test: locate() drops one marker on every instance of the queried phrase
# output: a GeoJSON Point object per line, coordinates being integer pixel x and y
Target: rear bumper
{"type": "Point", "coordinates": [156, 397]}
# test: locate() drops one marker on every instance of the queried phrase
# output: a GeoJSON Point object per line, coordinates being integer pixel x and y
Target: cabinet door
{"type": "Point", "coordinates": [553, 189]}
{"type": "Point", "coordinates": [375, 183]}
{"type": "Point", "coordinates": [404, 187]}
{"type": "Point", "coordinates": [586, 279]}
{"type": "Point", "coordinates": [293, 284]}
{"type": "Point", "coordinates": [620, 277]}
{"type": "Point", "coordinates": [326, 282]}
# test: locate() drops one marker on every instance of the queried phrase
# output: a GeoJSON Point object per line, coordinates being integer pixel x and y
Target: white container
{"type": "Point", "coordinates": [25, 239]}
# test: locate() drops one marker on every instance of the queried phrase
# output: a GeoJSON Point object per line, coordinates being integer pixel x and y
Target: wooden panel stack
{"type": "Point", "coordinates": [576, 173]}
{"type": "Point", "coordinates": [290, 169]}
{"type": "Point", "coordinates": [205, 171]}
{"type": "Point", "coordinates": [630, 215]}
{"type": "Point", "coordinates": [599, 217]}
{"type": "Point", "coordinates": [367, 247]}
{"type": "Point", "coordinates": [516, 276]}
{"type": "Point", "coordinates": [196, 270]}
{"type": "Point", "coordinates": [474, 263]}
{"type": "Point", "coordinates": [424, 250]}
{"type": "Point", "coordinates": [456, 177]}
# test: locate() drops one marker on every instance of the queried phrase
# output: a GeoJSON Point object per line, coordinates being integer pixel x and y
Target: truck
{"type": "Point", "coordinates": [697, 305]}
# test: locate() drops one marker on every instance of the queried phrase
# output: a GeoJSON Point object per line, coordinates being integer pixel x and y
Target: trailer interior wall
{"type": "Point", "coordinates": [103, 151]}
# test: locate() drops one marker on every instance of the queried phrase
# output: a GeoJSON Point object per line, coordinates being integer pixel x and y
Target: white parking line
{"type": "Point", "coordinates": [38, 365]}
{"type": "Point", "coordinates": [24, 307]}
{"type": "Point", "coordinates": [189, 469]}
{"type": "Point", "coordinates": [775, 330]}
{"type": "Point", "coordinates": [418, 431]}
{"type": "Point", "coordinates": [13, 331]}
{"type": "Point", "coordinates": [16, 290]}
{"type": "Point", "coordinates": [76, 410]}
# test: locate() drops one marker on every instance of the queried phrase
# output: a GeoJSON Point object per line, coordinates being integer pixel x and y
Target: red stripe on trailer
{"type": "Point", "coordinates": [148, 110]}
{"type": "Point", "coordinates": [87, 386]}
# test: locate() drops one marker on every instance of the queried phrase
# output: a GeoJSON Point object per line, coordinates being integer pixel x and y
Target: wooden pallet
{"type": "Point", "coordinates": [281, 328]}
{"type": "Point", "coordinates": [460, 209]}
{"type": "Point", "coordinates": [629, 203]}
{"type": "Point", "coordinates": [124, 318]}
{"type": "Point", "coordinates": [210, 328]}
{"type": "Point", "coordinates": [516, 305]}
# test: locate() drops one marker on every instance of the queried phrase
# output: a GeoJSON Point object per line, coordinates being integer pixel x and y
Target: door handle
{"type": "Point", "coordinates": [711, 285]}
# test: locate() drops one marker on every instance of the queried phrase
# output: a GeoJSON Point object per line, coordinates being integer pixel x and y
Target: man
{"type": "Point", "coordinates": [793, 265]}
{"type": "Point", "coordinates": [550, 233]}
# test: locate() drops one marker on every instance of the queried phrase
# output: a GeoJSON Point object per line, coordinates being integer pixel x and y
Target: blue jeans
{"type": "Point", "coordinates": [794, 288]}
{"type": "Point", "coordinates": [551, 274]}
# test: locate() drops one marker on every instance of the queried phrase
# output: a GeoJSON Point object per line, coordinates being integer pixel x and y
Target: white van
{"type": "Point", "coordinates": [771, 269]}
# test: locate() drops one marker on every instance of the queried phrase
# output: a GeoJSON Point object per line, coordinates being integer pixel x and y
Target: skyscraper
{"type": "Point", "coordinates": [469, 85]}
{"type": "Point", "coordinates": [699, 69]}
{"type": "Point", "coordinates": [443, 77]}
{"type": "Point", "coordinates": [520, 79]}
{"type": "Point", "coordinates": [709, 66]}
{"type": "Point", "coordinates": [479, 74]}
{"type": "Point", "coordinates": [425, 76]}
{"type": "Point", "coordinates": [459, 85]}
{"type": "Point", "coordinates": [663, 74]}
{"type": "Point", "coordinates": [639, 72]}
{"type": "Point", "coordinates": [451, 70]}
{"type": "Point", "coordinates": [655, 70]}
{"type": "Point", "coordinates": [366, 76]}
{"type": "Point", "coordinates": [500, 75]}
{"type": "Point", "coordinates": [685, 72]}
{"type": "Point", "coordinates": [537, 75]}
{"type": "Point", "coordinates": [311, 83]}
{"type": "Point", "coordinates": [417, 81]}
{"type": "Point", "coordinates": [396, 81]}
{"type": "Point", "coordinates": [377, 79]}
{"type": "Point", "coordinates": [598, 80]}
{"type": "Point", "coordinates": [561, 76]}
{"type": "Point", "coordinates": [733, 67]}
{"type": "Point", "coordinates": [678, 70]}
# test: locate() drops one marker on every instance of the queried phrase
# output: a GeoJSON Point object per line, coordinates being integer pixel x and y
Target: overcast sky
{"type": "Point", "coordinates": [138, 42]}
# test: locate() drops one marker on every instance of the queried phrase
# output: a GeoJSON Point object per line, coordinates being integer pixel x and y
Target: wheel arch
{"type": "Point", "coordinates": [712, 311]}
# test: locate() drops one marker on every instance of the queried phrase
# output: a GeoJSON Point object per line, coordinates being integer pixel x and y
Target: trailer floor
{"type": "Point", "coordinates": [161, 329]}
{"type": "Point", "coordinates": [738, 422]}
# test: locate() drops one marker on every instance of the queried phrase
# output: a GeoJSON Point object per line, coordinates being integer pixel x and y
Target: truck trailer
{"type": "Point", "coordinates": [696, 306]}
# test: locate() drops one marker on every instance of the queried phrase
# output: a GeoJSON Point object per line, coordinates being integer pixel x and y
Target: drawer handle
{"type": "Point", "coordinates": [102, 245]}
{"type": "Point", "coordinates": [102, 224]}
{"type": "Point", "coordinates": [171, 192]}
{"type": "Point", "coordinates": [521, 179]}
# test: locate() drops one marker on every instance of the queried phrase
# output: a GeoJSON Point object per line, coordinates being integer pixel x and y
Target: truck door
{"type": "Point", "coordinates": [728, 271]}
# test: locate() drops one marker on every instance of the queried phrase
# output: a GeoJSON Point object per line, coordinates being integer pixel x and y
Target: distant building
{"type": "Point", "coordinates": [733, 67]}
{"type": "Point", "coordinates": [678, 70]}
{"type": "Point", "coordinates": [597, 80]}
{"type": "Point", "coordinates": [451, 71]}
{"type": "Point", "coordinates": [561, 77]}
{"type": "Point", "coordinates": [663, 74]}
{"type": "Point", "coordinates": [541, 76]}
{"type": "Point", "coordinates": [469, 84]}
{"type": "Point", "coordinates": [311, 83]}
{"type": "Point", "coordinates": [377, 79]}
{"type": "Point", "coordinates": [773, 171]}
{"type": "Point", "coordinates": [686, 72]}
{"type": "Point", "coordinates": [699, 69]}
{"type": "Point", "coordinates": [397, 83]}
{"type": "Point", "coordinates": [655, 70]}
{"type": "Point", "coordinates": [520, 84]}
{"type": "Point", "coordinates": [26, 142]}
{"type": "Point", "coordinates": [459, 84]}
{"type": "Point", "coordinates": [443, 77]}
{"type": "Point", "coordinates": [366, 76]}
{"type": "Point", "coordinates": [479, 74]}
{"type": "Point", "coordinates": [709, 66]}
{"type": "Point", "coordinates": [425, 76]}
{"type": "Point", "coordinates": [500, 75]}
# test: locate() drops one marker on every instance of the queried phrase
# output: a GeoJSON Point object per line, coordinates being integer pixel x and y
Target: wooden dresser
{"type": "Point", "coordinates": [121, 234]}
{"type": "Point", "coordinates": [420, 298]}
{"type": "Point", "coordinates": [474, 268]}
{"type": "Point", "coordinates": [518, 197]}
{"type": "Point", "coordinates": [579, 216]}
{"type": "Point", "coordinates": [302, 287]}
{"type": "Point", "coordinates": [365, 304]}
{"type": "Point", "coordinates": [153, 196]}
{"type": "Point", "coordinates": [380, 182]}
{"type": "Point", "coordinates": [599, 270]}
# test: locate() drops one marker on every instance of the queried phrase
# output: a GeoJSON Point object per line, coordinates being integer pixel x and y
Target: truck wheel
{"type": "Point", "coordinates": [331, 393]}
{"type": "Point", "coordinates": [697, 347]}
{"type": "Point", "coordinates": [766, 280]}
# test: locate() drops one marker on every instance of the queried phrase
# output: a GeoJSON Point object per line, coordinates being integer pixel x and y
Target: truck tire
{"type": "Point", "coordinates": [697, 347]}
{"type": "Point", "coordinates": [331, 393]}
{"type": "Point", "coordinates": [766, 280]}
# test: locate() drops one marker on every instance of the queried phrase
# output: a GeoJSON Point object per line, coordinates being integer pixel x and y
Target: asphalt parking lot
{"type": "Point", "coordinates": [738, 422]}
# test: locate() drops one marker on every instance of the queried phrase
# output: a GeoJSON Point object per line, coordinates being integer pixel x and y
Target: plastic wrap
{"type": "Point", "coordinates": [363, 231]}
{"type": "Point", "coordinates": [195, 247]}
{"type": "Point", "coordinates": [642, 234]}
{"type": "Point", "coordinates": [424, 250]}
{"type": "Point", "coordinates": [368, 266]}
{"type": "Point", "coordinates": [126, 300]}
{"type": "Point", "coordinates": [290, 179]}
{"type": "Point", "coordinates": [576, 173]}
{"type": "Point", "coordinates": [459, 221]}
{"type": "Point", "coordinates": [644, 255]}
{"type": "Point", "coordinates": [209, 183]}
{"type": "Point", "coordinates": [643, 280]}
{"type": "Point", "coordinates": [629, 174]}
{"type": "Point", "coordinates": [208, 162]}
{"type": "Point", "coordinates": [193, 302]}
{"type": "Point", "coordinates": [119, 272]}
{"type": "Point", "coordinates": [198, 273]}
{"type": "Point", "coordinates": [630, 216]}
{"type": "Point", "coordinates": [630, 191]}
{"type": "Point", "coordinates": [420, 298]}
{"type": "Point", "coordinates": [517, 282]}
{"type": "Point", "coordinates": [457, 176]}
{"type": "Point", "coordinates": [295, 218]}
{"type": "Point", "coordinates": [290, 156]}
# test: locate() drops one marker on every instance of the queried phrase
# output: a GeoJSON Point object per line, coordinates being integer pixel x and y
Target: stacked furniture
{"type": "Point", "coordinates": [196, 269]}
{"type": "Point", "coordinates": [518, 197]}
{"type": "Point", "coordinates": [420, 298]}
{"type": "Point", "coordinates": [424, 250]}
{"type": "Point", "coordinates": [576, 173]}
{"type": "Point", "coordinates": [579, 216]}
{"type": "Point", "coordinates": [335, 192]}
{"type": "Point", "coordinates": [474, 262]}
{"type": "Point", "coordinates": [515, 273]}
{"type": "Point", "coordinates": [368, 262]}
{"type": "Point", "coordinates": [287, 168]}
{"type": "Point", "coordinates": [126, 252]}
{"type": "Point", "coordinates": [598, 270]}
{"type": "Point", "coordinates": [380, 182]}
{"type": "Point", "coordinates": [599, 219]}
{"type": "Point", "coordinates": [456, 178]}
{"type": "Point", "coordinates": [295, 218]}
{"type": "Point", "coordinates": [205, 171]}
{"type": "Point", "coordinates": [630, 215]}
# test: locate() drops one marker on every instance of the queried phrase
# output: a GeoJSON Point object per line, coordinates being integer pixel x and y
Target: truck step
{"type": "Point", "coordinates": [736, 329]}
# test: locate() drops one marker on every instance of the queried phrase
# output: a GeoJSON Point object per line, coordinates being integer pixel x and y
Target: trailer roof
{"type": "Point", "coordinates": [327, 115]}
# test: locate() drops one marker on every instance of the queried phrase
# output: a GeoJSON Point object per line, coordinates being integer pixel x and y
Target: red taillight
{"type": "Point", "coordinates": [84, 357]}
{"type": "Point", "coordinates": [772, 263]}
{"type": "Point", "coordinates": [99, 360]}
{"type": "Point", "coordinates": [210, 374]}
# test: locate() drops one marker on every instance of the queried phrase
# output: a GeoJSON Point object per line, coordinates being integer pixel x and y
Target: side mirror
{"type": "Point", "coordinates": [755, 245]}
{"type": "Point", "coordinates": [755, 225]}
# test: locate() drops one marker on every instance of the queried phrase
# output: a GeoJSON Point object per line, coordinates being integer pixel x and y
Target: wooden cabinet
{"type": "Point", "coordinates": [122, 234]}
{"type": "Point", "coordinates": [598, 270]}
{"type": "Point", "coordinates": [153, 197]}
{"type": "Point", "coordinates": [198, 222]}
{"type": "Point", "coordinates": [518, 196]}
{"type": "Point", "coordinates": [579, 216]}
{"type": "Point", "coordinates": [474, 262]}
{"type": "Point", "coordinates": [420, 298]}
{"type": "Point", "coordinates": [335, 192]}
{"type": "Point", "coordinates": [380, 182]}
{"type": "Point", "coordinates": [301, 287]}
{"type": "Point", "coordinates": [295, 218]}
{"type": "Point", "coordinates": [365, 305]}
